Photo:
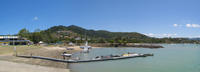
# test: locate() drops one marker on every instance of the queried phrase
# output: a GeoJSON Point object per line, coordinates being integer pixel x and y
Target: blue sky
{"type": "Point", "coordinates": [158, 18]}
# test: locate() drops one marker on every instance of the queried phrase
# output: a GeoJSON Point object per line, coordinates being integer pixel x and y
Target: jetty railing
{"type": "Point", "coordinates": [44, 58]}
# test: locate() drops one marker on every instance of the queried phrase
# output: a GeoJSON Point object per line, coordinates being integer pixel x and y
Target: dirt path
{"type": "Point", "coordinates": [21, 67]}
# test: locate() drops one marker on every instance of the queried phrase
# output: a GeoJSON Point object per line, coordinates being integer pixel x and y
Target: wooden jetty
{"type": "Point", "coordinates": [82, 61]}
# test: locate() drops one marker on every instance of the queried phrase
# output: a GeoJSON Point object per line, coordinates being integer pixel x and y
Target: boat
{"type": "Point", "coordinates": [66, 54]}
{"type": "Point", "coordinates": [86, 48]}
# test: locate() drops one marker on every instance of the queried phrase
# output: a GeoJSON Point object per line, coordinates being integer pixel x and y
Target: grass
{"type": "Point", "coordinates": [19, 49]}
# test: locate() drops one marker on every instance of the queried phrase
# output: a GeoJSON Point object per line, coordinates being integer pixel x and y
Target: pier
{"type": "Point", "coordinates": [82, 61]}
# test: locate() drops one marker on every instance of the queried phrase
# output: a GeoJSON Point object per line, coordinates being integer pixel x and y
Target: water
{"type": "Point", "coordinates": [172, 58]}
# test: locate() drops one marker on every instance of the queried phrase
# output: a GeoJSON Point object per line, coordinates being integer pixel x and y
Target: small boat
{"type": "Point", "coordinates": [86, 48]}
{"type": "Point", "coordinates": [66, 54]}
{"type": "Point", "coordinates": [69, 48]}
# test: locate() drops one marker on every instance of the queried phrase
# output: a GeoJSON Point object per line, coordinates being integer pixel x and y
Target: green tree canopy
{"type": "Point", "coordinates": [24, 33]}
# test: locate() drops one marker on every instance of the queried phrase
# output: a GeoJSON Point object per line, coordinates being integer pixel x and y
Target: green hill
{"type": "Point", "coordinates": [78, 34]}
{"type": "Point", "coordinates": [96, 34]}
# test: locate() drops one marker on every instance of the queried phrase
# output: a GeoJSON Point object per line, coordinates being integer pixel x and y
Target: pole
{"type": "Point", "coordinates": [15, 49]}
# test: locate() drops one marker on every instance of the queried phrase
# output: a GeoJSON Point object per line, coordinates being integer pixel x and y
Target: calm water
{"type": "Point", "coordinates": [172, 58]}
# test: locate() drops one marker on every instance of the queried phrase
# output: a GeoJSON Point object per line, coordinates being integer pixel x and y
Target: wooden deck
{"type": "Point", "coordinates": [82, 61]}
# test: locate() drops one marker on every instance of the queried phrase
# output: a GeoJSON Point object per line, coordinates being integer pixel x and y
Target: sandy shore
{"type": "Point", "coordinates": [21, 67]}
{"type": "Point", "coordinates": [6, 54]}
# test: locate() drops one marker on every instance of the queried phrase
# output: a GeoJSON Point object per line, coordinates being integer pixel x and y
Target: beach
{"type": "Point", "coordinates": [7, 54]}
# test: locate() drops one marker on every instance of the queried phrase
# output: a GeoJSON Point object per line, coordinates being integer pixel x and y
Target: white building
{"type": "Point", "coordinates": [13, 40]}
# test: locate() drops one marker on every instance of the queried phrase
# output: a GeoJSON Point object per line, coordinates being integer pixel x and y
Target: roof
{"type": "Point", "coordinates": [15, 41]}
{"type": "Point", "coordinates": [8, 36]}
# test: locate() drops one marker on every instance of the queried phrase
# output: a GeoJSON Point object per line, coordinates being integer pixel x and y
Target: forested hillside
{"type": "Point", "coordinates": [74, 33]}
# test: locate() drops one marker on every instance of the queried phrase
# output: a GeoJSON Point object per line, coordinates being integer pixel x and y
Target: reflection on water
{"type": "Point", "coordinates": [172, 58]}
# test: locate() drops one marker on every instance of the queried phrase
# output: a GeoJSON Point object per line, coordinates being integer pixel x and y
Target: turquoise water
{"type": "Point", "coordinates": [172, 58]}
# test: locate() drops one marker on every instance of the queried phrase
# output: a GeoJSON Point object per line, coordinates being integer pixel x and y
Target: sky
{"type": "Point", "coordinates": [155, 18]}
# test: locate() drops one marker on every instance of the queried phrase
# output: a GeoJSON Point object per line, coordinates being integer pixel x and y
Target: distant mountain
{"type": "Point", "coordinates": [78, 34]}
{"type": "Point", "coordinates": [194, 38]}
{"type": "Point", "coordinates": [96, 33]}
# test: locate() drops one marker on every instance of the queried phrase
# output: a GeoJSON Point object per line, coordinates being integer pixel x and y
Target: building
{"type": "Point", "coordinates": [13, 40]}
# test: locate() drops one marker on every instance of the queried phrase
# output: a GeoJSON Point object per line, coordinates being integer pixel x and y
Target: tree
{"type": "Point", "coordinates": [24, 33]}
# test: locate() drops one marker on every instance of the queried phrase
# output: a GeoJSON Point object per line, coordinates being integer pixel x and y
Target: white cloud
{"type": "Point", "coordinates": [191, 36]}
{"type": "Point", "coordinates": [193, 25]}
{"type": "Point", "coordinates": [175, 25]}
{"type": "Point", "coordinates": [188, 25]}
{"type": "Point", "coordinates": [169, 35]}
{"type": "Point", "coordinates": [161, 35]}
{"type": "Point", "coordinates": [150, 34]}
{"type": "Point", "coordinates": [35, 18]}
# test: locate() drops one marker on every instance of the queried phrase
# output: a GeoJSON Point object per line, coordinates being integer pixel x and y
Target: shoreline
{"type": "Point", "coordinates": [54, 52]}
{"type": "Point", "coordinates": [138, 45]}
{"type": "Point", "coordinates": [50, 51]}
